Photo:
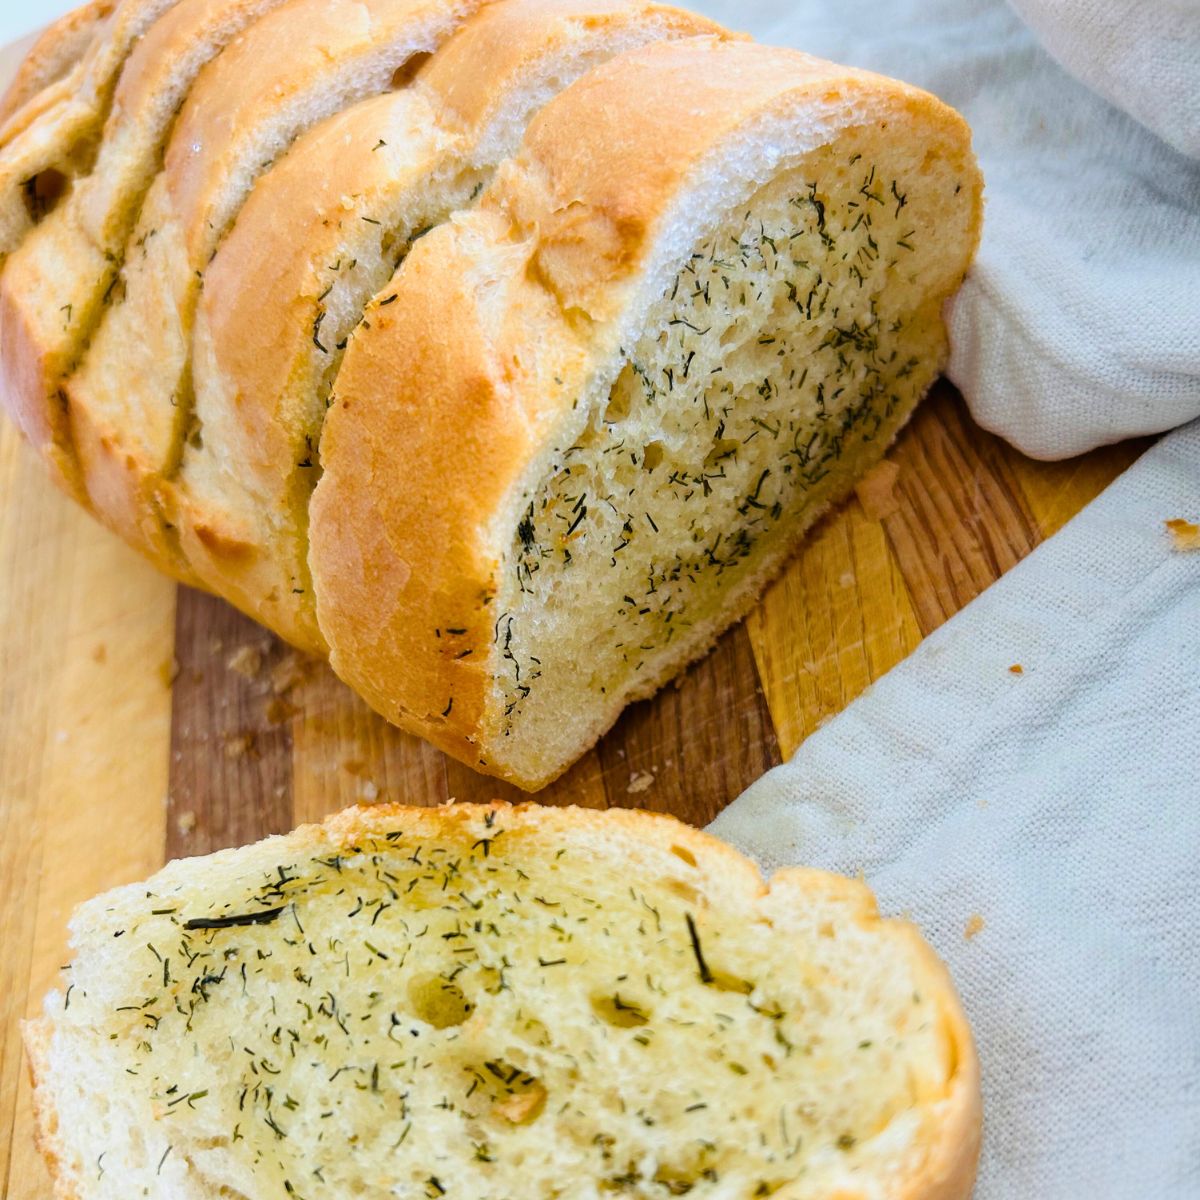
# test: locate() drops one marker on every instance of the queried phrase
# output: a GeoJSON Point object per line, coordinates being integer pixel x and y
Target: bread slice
{"type": "Point", "coordinates": [319, 236]}
{"type": "Point", "coordinates": [697, 305]}
{"type": "Point", "coordinates": [55, 287]}
{"type": "Point", "coordinates": [487, 1003]}
{"type": "Point", "coordinates": [51, 58]}
{"type": "Point", "coordinates": [130, 402]}
{"type": "Point", "coordinates": [52, 138]}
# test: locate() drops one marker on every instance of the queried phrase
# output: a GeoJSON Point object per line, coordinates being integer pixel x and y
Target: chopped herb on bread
{"type": "Point", "coordinates": [487, 1002]}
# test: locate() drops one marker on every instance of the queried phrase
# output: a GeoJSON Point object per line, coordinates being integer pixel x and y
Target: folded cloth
{"type": "Point", "coordinates": [1027, 787]}
{"type": "Point", "coordinates": [1144, 58]}
{"type": "Point", "coordinates": [1080, 322]}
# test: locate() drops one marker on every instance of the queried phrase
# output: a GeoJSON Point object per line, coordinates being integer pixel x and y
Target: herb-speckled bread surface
{"type": "Point", "coordinates": [585, 423]}
{"type": "Point", "coordinates": [488, 1003]}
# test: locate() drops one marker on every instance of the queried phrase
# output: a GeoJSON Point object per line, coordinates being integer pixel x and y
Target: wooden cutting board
{"type": "Point", "coordinates": [139, 721]}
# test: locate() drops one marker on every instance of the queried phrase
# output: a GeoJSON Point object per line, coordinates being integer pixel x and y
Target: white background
{"type": "Point", "coordinates": [19, 17]}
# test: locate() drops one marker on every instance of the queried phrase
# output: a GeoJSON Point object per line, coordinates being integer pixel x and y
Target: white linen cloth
{"type": "Point", "coordinates": [1080, 321]}
{"type": "Point", "coordinates": [1053, 815]}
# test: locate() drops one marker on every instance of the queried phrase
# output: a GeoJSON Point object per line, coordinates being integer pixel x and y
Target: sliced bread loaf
{"type": "Point", "coordinates": [129, 404]}
{"type": "Point", "coordinates": [487, 1003]}
{"type": "Point", "coordinates": [322, 232]}
{"type": "Point", "coordinates": [56, 286]}
{"type": "Point", "coordinates": [583, 425]}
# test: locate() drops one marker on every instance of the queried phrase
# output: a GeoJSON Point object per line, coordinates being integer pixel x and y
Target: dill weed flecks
{"type": "Point", "coordinates": [475, 1003]}
{"type": "Point", "coordinates": [777, 349]}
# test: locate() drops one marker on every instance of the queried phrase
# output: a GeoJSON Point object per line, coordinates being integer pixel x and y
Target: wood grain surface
{"type": "Point", "coordinates": [139, 721]}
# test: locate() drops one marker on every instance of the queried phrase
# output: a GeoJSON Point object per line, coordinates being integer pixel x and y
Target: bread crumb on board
{"type": "Point", "coordinates": [280, 710]}
{"type": "Point", "coordinates": [185, 823]}
{"type": "Point", "coordinates": [240, 745]}
{"type": "Point", "coordinates": [247, 661]}
{"type": "Point", "coordinates": [974, 926]}
{"type": "Point", "coordinates": [640, 781]}
{"type": "Point", "coordinates": [1184, 534]}
{"type": "Point", "coordinates": [876, 490]}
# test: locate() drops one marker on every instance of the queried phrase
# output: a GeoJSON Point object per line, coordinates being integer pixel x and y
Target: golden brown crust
{"type": "Point", "coordinates": [469, 75]}
{"type": "Point", "coordinates": [950, 1129]}
{"type": "Point", "coordinates": [258, 357]}
{"type": "Point", "coordinates": [58, 49]}
{"type": "Point", "coordinates": [30, 397]}
{"type": "Point", "coordinates": [56, 130]}
{"type": "Point", "coordinates": [303, 58]}
{"type": "Point", "coordinates": [279, 60]}
{"type": "Point", "coordinates": [493, 307]}
{"type": "Point", "coordinates": [280, 246]}
{"type": "Point", "coordinates": [52, 285]}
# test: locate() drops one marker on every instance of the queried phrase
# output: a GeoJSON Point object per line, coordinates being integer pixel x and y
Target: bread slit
{"type": "Point", "coordinates": [60, 137]}
{"type": "Point", "coordinates": [339, 212]}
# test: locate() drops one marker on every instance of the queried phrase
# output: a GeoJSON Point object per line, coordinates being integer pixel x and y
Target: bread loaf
{"type": "Point", "coordinates": [583, 425]}
{"type": "Point", "coordinates": [488, 1003]}
{"type": "Point", "coordinates": [129, 402]}
{"type": "Point", "coordinates": [580, 319]}
{"type": "Point", "coordinates": [323, 231]}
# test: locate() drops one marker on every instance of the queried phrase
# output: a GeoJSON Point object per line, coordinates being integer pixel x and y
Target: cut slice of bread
{"type": "Point", "coordinates": [486, 1003]}
{"type": "Point", "coordinates": [583, 425]}
{"type": "Point", "coordinates": [52, 137]}
{"type": "Point", "coordinates": [322, 232]}
{"type": "Point", "coordinates": [55, 287]}
{"type": "Point", "coordinates": [130, 403]}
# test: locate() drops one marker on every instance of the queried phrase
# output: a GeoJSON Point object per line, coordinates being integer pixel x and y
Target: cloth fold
{"type": "Point", "coordinates": [1080, 322]}
{"type": "Point", "coordinates": [1042, 827]}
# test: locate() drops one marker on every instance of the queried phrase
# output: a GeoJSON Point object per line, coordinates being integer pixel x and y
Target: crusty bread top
{"type": "Point", "coordinates": [511, 38]}
{"type": "Point", "coordinates": [54, 129]}
{"type": "Point", "coordinates": [512, 309]}
{"type": "Point", "coordinates": [488, 1001]}
{"type": "Point", "coordinates": [57, 50]}
{"type": "Point", "coordinates": [277, 58]}
{"type": "Point", "coordinates": [53, 287]}
{"type": "Point", "coordinates": [320, 232]}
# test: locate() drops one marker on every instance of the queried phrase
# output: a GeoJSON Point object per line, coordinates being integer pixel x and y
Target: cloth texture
{"type": "Point", "coordinates": [1060, 807]}
{"type": "Point", "coordinates": [1079, 324]}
